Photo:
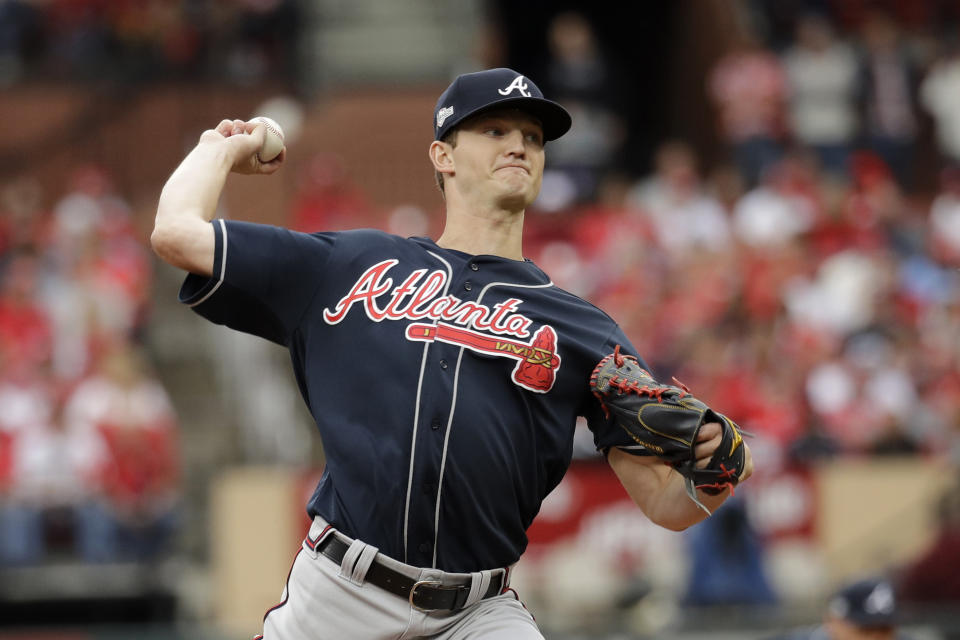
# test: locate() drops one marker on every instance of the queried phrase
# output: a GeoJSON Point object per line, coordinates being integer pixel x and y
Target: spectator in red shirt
{"type": "Point", "coordinates": [749, 87]}
{"type": "Point", "coordinates": [135, 475]}
{"type": "Point", "coordinates": [24, 326]}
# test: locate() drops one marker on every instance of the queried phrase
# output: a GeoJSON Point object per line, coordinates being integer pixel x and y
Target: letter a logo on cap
{"type": "Point", "coordinates": [517, 84]}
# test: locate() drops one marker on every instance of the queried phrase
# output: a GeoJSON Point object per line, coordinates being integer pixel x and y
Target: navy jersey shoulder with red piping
{"type": "Point", "coordinates": [445, 386]}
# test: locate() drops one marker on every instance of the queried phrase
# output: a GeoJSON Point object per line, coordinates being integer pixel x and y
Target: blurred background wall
{"type": "Point", "coordinates": [765, 194]}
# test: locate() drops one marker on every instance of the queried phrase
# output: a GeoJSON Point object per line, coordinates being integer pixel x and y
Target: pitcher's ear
{"type": "Point", "coordinates": [441, 156]}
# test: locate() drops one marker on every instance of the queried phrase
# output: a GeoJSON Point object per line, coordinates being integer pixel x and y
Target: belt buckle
{"type": "Point", "coordinates": [413, 592]}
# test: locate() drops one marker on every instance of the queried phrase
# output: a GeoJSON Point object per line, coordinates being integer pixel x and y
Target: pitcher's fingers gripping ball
{"type": "Point", "coordinates": [272, 141]}
{"type": "Point", "coordinates": [666, 420]}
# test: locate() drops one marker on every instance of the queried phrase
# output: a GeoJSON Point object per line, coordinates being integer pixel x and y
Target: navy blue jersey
{"type": "Point", "coordinates": [445, 386]}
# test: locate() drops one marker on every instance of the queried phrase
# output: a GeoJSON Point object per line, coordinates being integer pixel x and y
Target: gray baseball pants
{"type": "Point", "coordinates": [326, 601]}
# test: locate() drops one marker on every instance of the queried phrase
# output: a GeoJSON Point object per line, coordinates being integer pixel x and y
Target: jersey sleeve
{"type": "Point", "coordinates": [264, 278]}
{"type": "Point", "coordinates": [606, 432]}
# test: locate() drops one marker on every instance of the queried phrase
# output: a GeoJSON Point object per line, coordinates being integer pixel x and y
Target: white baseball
{"type": "Point", "coordinates": [272, 141]}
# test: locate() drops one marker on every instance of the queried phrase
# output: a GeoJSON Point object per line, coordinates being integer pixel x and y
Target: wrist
{"type": "Point", "coordinates": [214, 155]}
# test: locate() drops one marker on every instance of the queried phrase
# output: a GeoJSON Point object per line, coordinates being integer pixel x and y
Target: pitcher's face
{"type": "Point", "coordinates": [499, 156]}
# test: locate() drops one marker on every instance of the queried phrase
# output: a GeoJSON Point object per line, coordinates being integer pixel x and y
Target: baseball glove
{"type": "Point", "coordinates": [665, 420]}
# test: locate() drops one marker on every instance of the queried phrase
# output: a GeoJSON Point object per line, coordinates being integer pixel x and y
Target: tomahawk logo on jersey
{"type": "Point", "coordinates": [460, 322]}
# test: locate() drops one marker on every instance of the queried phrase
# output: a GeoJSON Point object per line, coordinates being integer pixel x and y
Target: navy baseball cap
{"type": "Point", "coordinates": [865, 603]}
{"type": "Point", "coordinates": [472, 93]}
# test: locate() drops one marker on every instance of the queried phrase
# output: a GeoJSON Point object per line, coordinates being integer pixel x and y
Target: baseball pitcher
{"type": "Point", "coordinates": [445, 377]}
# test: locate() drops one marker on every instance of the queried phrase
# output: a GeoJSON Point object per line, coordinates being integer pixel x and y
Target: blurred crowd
{"type": "Point", "coordinates": [802, 279]}
{"type": "Point", "coordinates": [135, 41]}
{"type": "Point", "coordinates": [804, 275]}
{"type": "Point", "coordinates": [88, 436]}
{"type": "Point", "coordinates": [823, 316]}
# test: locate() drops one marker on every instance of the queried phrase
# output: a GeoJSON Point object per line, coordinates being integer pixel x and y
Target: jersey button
{"type": "Point", "coordinates": [435, 425]}
{"type": "Point", "coordinates": [424, 547]}
{"type": "Point", "coordinates": [443, 364]}
{"type": "Point", "coordinates": [475, 266]}
{"type": "Point", "coordinates": [467, 286]}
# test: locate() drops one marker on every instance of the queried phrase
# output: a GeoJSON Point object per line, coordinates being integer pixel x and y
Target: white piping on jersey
{"type": "Point", "coordinates": [416, 416]}
{"type": "Point", "coordinates": [223, 266]}
{"type": "Point", "coordinates": [456, 381]}
{"type": "Point", "coordinates": [413, 448]}
{"type": "Point", "coordinates": [443, 457]}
